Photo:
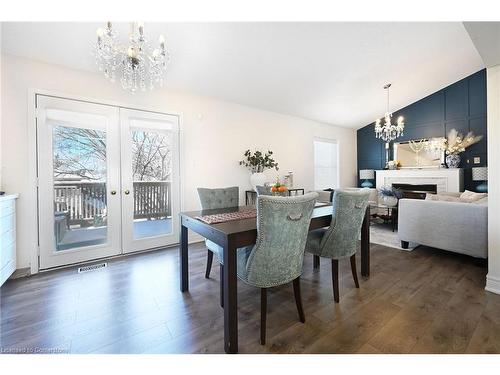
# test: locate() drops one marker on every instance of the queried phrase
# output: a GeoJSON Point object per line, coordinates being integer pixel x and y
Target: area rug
{"type": "Point", "coordinates": [382, 234]}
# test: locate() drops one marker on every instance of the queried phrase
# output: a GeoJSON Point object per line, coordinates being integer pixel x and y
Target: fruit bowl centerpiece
{"type": "Point", "coordinates": [278, 188]}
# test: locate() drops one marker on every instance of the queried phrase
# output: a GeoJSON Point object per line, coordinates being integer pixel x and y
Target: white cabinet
{"type": "Point", "coordinates": [7, 236]}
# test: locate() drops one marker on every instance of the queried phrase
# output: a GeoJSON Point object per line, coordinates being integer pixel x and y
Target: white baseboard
{"type": "Point", "coordinates": [492, 284]}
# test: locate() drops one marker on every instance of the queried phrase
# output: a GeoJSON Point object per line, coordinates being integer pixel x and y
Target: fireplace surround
{"type": "Point", "coordinates": [415, 191]}
{"type": "Point", "coordinates": [444, 180]}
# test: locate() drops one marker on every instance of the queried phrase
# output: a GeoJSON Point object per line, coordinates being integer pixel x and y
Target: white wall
{"type": "Point", "coordinates": [215, 135]}
{"type": "Point", "coordinates": [0, 105]}
{"type": "Point", "coordinates": [493, 84]}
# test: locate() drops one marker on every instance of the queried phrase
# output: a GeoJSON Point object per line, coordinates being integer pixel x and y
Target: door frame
{"type": "Point", "coordinates": [31, 200]}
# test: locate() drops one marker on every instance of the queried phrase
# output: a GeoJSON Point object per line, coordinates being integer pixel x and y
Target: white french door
{"type": "Point", "coordinates": [150, 204]}
{"type": "Point", "coordinates": [107, 180]}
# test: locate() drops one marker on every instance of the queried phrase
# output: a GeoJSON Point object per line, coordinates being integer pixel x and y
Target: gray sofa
{"type": "Point", "coordinates": [454, 226]}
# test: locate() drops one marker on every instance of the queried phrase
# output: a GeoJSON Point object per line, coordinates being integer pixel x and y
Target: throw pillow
{"type": "Point", "coordinates": [442, 198]}
{"type": "Point", "coordinates": [470, 196]}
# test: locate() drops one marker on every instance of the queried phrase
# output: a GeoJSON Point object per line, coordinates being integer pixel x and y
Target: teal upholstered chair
{"type": "Point", "coordinates": [340, 240]}
{"type": "Point", "coordinates": [277, 257]}
{"type": "Point", "coordinates": [213, 199]}
{"type": "Point", "coordinates": [263, 190]}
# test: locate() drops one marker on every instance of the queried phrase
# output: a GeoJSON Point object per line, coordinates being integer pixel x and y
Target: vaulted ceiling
{"type": "Point", "coordinates": [329, 72]}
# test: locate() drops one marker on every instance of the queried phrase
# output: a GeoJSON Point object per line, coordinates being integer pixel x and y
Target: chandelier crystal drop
{"type": "Point", "coordinates": [138, 65]}
{"type": "Point", "coordinates": [387, 131]}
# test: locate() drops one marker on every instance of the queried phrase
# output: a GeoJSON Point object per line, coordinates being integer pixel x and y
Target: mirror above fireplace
{"type": "Point", "coordinates": [414, 154]}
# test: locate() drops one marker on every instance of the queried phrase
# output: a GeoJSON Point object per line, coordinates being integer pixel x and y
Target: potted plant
{"type": "Point", "coordinates": [257, 163]}
{"type": "Point", "coordinates": [454, 145]}
{"type": "Point", "coordinates": [389, 196]}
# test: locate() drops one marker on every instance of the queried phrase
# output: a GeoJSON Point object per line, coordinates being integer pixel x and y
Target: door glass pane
{"type": "Point", "coordinates": [151, 173]}
{"type": "Point", "coordinates": [79, 164]}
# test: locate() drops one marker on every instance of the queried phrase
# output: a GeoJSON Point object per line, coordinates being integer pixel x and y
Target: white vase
{"type": "Point", "coordinates": [258, 179]}
{"type": "Point", "coordinates": [389, 201]}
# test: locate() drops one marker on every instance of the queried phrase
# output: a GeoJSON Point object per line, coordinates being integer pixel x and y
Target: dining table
{"type": "Point", "coordinates": [237, 233]}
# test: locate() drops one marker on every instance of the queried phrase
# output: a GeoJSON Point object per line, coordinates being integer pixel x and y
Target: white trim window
{"type": "Point", "coordinates": [325, 164]}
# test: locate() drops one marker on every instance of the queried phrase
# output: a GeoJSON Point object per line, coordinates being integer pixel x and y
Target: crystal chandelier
{"type": "Point", "coordinates": [389, 132]}
{"type": "Point", "coordinates": [138, 65]}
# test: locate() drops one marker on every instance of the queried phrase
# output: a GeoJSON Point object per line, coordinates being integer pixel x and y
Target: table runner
{"type": "Point", "coordinates": [229, 216]}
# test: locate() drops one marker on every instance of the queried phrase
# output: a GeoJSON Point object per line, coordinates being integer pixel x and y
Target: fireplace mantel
{"type": "Point", "coordinates": [446, 180]}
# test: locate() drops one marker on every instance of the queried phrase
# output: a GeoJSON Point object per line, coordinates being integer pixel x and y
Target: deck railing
{"type": "Point", "coordinates": [84, 202]}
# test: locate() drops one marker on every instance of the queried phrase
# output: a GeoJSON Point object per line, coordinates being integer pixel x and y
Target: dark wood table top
{"type": "Point", "coordinates": [244, 225]}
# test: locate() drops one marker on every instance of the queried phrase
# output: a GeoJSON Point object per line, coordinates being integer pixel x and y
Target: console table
{"type": "Point", "coordinates": [251, 195]}
{"type": "Point", "coordinates": [390, 216]}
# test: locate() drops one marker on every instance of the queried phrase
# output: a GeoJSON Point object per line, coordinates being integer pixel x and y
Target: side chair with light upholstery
{"type": "Point", "coordinates": [215, 199]}
{"type": "Point", "coordinates": [340, 240]}
{"type": "Point", "coordinates": [263, 190]}
{"type": "Point", "coordinates": [277, 257]}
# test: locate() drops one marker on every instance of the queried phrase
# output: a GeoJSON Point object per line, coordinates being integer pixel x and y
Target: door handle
{"type": "Point", "coordinates": [127, 192]}
{"type": "Point", "coordinates": [113, 192]}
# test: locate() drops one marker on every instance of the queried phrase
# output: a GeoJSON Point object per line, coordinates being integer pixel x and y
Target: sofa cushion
{"type": "Point", "coordinates": [481, 202]}
{"type": "Point", "coordinates": [466, 197]}
{"type": "Point", "coordinates": [442, 198]}
{"type": "Point", "coordinates": [471, 196]}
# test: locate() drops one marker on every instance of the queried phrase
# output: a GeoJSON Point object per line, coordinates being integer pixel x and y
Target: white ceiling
{"type": "Point", "coordinates": [329, 72]}
{"type": "Point", "coordinates": [486, 39]}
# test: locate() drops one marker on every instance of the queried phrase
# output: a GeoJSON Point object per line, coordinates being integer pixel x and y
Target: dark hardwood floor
{"type": "Point", "coordinates": [424, 301]}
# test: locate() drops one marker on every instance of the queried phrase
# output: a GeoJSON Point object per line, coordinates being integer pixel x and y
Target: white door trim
{"type": "Point", "coordinates": [31, 199]}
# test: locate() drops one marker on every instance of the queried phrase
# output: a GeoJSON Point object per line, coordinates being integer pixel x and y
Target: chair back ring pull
{"type": "Point", "coordinates": [294, 217]}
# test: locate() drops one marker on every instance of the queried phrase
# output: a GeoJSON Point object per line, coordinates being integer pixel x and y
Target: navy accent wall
{"type": "Point", "coordinates": [461, 105]}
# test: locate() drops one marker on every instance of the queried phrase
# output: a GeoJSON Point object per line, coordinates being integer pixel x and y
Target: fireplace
{"type": "Point", "coordinates": [416, 191]}
{"type": "Point", "coordinates": [447, 180]}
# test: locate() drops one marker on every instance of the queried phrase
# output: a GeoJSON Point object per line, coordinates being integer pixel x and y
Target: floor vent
{"type": "Point", "coordinates": [93, 267]}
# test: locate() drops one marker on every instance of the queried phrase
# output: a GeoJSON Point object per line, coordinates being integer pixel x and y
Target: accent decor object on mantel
{"type": "Point", "coordinates": [140, 66]}
{"type": "Point", "coordinates": [257, 163]}
{"type": "Point", "coordinates": [367, 175]}
{"type": "Point", "coordinates": [454, 145]}
{"type": "Point", "coordinates": [392, 164]}
{"type": "Point", "coordinates": [389, 132]}
{"type": "Point", "coordinates": [480, 174]}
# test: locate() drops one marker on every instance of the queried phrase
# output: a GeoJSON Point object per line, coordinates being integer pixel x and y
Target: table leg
{"type": "Point", "coordinates": [365, 244]}
{"type": "Point", "coordinates": [316, 261]}
{"type": "Point", "coordinates": [183, 253]}
{"type": "Point", "coordinates": [230, 298]}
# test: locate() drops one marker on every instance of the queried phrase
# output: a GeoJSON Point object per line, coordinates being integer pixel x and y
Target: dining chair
{"type": "Point", "coordinates": [214, 199]}
{"type": "Point", "coordinates": [340, 239]}
{"type": "Point", "coordinates": [263, 190]}
{"type": "Point", "coordinates": [276, 258]}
